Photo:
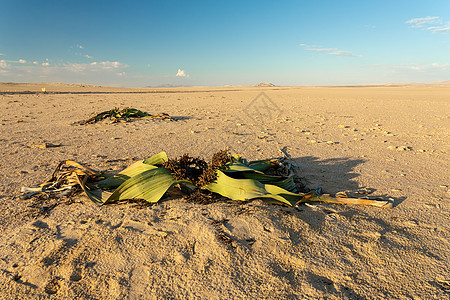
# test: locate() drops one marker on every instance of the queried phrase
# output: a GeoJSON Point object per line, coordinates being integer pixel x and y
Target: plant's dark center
{"type": "Point", "coordinates": [196, 170]}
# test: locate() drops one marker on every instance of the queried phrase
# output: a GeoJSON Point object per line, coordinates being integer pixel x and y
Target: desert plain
{"type": "Point", "coordinates": [389, 142]}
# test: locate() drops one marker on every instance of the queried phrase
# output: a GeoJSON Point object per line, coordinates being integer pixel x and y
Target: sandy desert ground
{"type": "Point", "coordinates": [390, 141]}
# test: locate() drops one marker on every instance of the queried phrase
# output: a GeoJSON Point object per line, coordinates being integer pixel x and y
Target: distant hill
{"type": "Point", "coordinates": [417, 84]}
{"type": "Point", "coordinates": [446, 82]}
{"type": "Point", "coordinates": [264, 84]}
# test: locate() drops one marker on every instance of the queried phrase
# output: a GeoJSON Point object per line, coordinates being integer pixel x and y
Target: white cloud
{"type": "Point", "coordinates": [108, 65]}
{"type": "Point", "coordinates": [96, 66]}
{"type": "Point", "coordinates": [440, 29]}
{"type": "Point", "coordinates": [330, 51]}
{"type": "Point", "coordinates": [424, 67]}
{"type": "Point", "coordinates": [342, 53]}
{"type": "Point", "coordinates": [88, 56]}
{"type": "Point", "coordinates": [426, 22]}
{"type": "Point", "coordinates": [3, 64]}
{"type": "Point", "coordinates": [421, 22]}
{"type": "Point", "coordinates": [80, 47]}
{"type": "Point", "coordinates": [98, 72]}
{"type": "Point", "coordinates": [22, 61]}
{"type": "Point", "coordinates": [181, 73]}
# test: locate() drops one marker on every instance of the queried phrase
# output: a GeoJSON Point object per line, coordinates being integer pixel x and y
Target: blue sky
{"type": "Point", "coordinates": [210, 43]}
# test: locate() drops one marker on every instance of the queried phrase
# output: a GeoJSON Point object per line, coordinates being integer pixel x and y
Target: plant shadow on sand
{"type": "Point", "coordinates": [335, 175]}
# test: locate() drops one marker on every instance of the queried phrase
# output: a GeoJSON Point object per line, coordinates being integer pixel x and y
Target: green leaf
{"type": "Point", "coordinates": [149, 186]}
{"type": "Point", "coordinates": [133, 170]}
{"type": "Point", "coordinates": [242, 189]}
{"type": "Point", "coordinates": [261, 165]}
{"type": "Point", "coordinates": [156, 159]}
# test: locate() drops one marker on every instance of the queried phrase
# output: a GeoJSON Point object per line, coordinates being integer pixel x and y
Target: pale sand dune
{"type": "Point", "coordinates": [392, 140]}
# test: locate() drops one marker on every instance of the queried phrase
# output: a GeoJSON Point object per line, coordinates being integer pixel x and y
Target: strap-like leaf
{"type": "Point", "coordinates": [133, 170]}
{"type": "Point", "coordinates": [149, 186]}
{"type": "Point", "coordinates": [156, 159]}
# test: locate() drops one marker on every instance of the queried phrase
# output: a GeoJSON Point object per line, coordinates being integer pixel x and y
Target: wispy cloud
{"type": "Point", "coordinates": [88, 56]}
{"type": "Point", "coordinates": [425, 67]}
{"type": "Point", "coordinates": [422, 22]}
{"type": "Point", "coordinates": [440, 29]}
{"type": "Point", "coordinates": [96, 72]}
{"type": "Point", "coordinates": [433, 24]}
{"type": "Point", "coordinates": [330, 51]}
{"type": "Point", "coordinates": [3, 64]}
{"type": "Point", "coordinates": [96, 66]}
{"type": "Point", "coordinates": [181, 73]}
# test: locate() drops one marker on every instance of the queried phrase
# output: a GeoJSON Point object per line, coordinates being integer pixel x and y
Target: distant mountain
{"type": "Point", "coordinates": [264, 84]}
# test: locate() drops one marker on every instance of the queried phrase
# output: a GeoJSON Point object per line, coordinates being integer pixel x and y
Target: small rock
{"type": "Point", "coordinates": [343, 126]}
{"type": "Point", "coordinates": [179, 258]}
{"type": "Point", "coordinates": [331, 143]}
{"type": "Point", "coordinates": [396, 190]}
{"type": "Point", "coordinates": [46, 145]}
{"type": "Point", "coordinates": [421, 150]}
{"type": "Point", "coordinates": [314, 142]}
{"type": "Point", "coordinates": [403, 148]}
{"type": "Point", "coordinates": [443, 186]}
{"type": "Point", "coordinates": [392, 147]}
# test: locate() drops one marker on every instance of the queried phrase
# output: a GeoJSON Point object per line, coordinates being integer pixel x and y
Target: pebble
{"type": "Point", "coordinates": [331, 143]}
{"type": "Point", "coordinates": [392, 147]}
{"type": "Point", "coordinates": [343, 126]}
{"type": "Point", "coordinates": [396, 190]}
{"type": "Point", "coordinates": [443, 186]}
{"type": "Point", "coordinates": [403, 148]}
{"type": "Point", "coordinates": [314, 142]}
{"type": "Point", "coordinates": [421, 150]}
{"type": "Point", "coordinates": [46, 145]}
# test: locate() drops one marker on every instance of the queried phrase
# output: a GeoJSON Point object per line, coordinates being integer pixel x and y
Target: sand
{"type": "Point", "coordinates": [391, 142]}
